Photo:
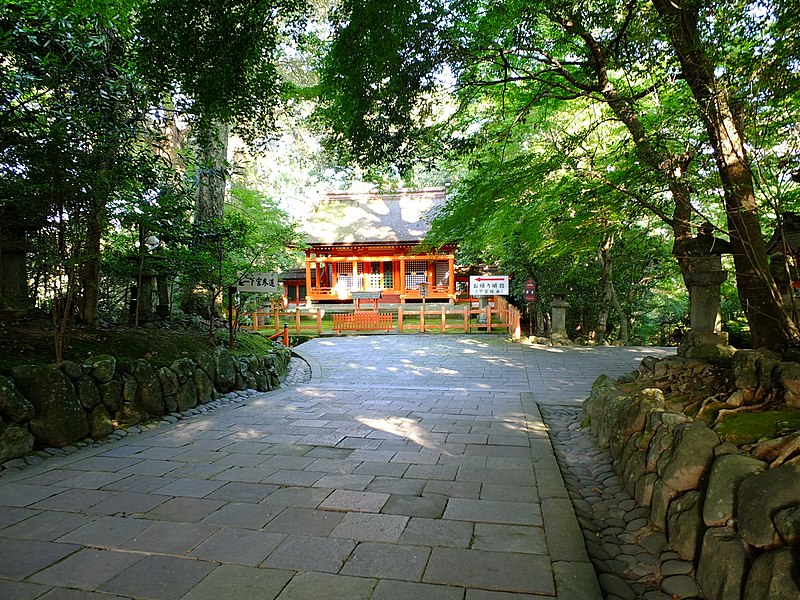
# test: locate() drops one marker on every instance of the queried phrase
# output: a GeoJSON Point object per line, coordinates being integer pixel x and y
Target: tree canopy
{"type": "Point", "coordinates": [96, 99]}
{"type": "Point", "coordinates": [685, 112]}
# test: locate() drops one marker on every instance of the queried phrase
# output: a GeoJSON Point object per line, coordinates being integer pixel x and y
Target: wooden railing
{"type": "Point", "coordinates": [499, 315]}
{"type": "Point", "coordinates": [510, 315]}
{"type": "Point", "coordinates": [299, 322]}
{"type": "Point", "coordinates": [362, 321]}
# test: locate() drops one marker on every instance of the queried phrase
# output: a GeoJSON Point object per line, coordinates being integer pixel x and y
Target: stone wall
{"type": "Point", "coordinates": [737, 518]}
{"type": "Point", "coordinates": [45, 406]}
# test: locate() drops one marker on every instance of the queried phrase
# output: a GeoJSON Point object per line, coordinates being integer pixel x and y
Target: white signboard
{"type": "Point", "coordinates": [488, 285]}
{"type": "Point", "coordinates": [258, 282]}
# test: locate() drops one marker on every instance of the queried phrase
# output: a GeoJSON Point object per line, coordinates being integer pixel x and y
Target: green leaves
{"type": "Point", "coordinates": [218, 58]}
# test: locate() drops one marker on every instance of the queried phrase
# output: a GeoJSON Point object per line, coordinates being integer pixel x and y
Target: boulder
{"type": "Point", "coordinates": [224, 370]}
{"type": "Point", "coordinates": [169, 382]}
{"type": "Point", "coordinates": [651, 425]}
{"type": "Point", "coordinates": [187, 395]}
{"type": "Point", "coordinates": [170, 388]}
{"type": "Point", "coordinates": [683, 465]}
{"type": "Point", "coordinates": [129, 387]}
{"type": "Point", "coordinates": [148, 387]}
{"type": "Point", "coordinates": [263, 380]}
{"type": "Point", "coordinates": [792, 400]}
{"type": "Point", "coordinates": [88, 394]}
{"type": "Point", "coordinates": [643, 490]}
{"type": "Point", "coordinates": [745, 370]}
{"type": "Point", "coordinates": [101, 367]}
{"type": "Point", "coordinates": [760, 498]}
{"type": "Point", "coordinates": [724, 562]}
{"type": "Point", "coordinates": [727, 473]}
{"type": "Point", "coordinates": [662, 496]}
{"type": "Point", "coordinates": [685, 524]}
{"type": "Point", "coordinates": [15, 441]}
{"type": "Point", "coordinates": [767, 370]}
{"type": "Point", "coordinates": [125, 365]}
{"type": "Point", "coordinates": [787, 522]}
{"type": "Point", "coordinates": [13, 405]}
{"type": "Point", "coordinates": [632, 416]}
{"type": "Point", "coordinates": [130, 414]}
{"type": "Point", "coordinates": [71, 369]}
{"type": "Point", "coordinates": [635, 468]}
{"type": "Point", "coordinates": [207, 362]}
{"type": "Point", "coordinates": [59, 419]}
{"type": "Point", "coordinates": [184, 368]}
{"type": "Point", "coordinates": [111, 393]}
{"type": "Point", "coordinates": [243, 369]}
{"type": "Point", "coordinates": [100, 422]}
{"type": "Point", "coordinates": [596, 407]}
{"type": "Point", "coordinates": [648, 366]}
{"type": "Point", "coordinates": [204, 387]}
{"type": "Point", "coordinates": [789, 377]}
{"type": "Point", "coordinates": [775, 576]}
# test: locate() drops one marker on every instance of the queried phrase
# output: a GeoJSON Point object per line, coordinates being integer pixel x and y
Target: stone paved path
{"type": "Point", "coordinates": [405, 467]}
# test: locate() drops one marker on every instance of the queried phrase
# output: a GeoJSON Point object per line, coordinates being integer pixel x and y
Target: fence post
{"type": "Point", "coordinates": [286, 334]}
{"type": "Point", "coordinates": [319, 322]}
{"type": "Point", "coordinates": [254, 319]}
{"type": "Point", "coordinates": [444, 320]}
{"type": "Point", "coordinates": [467, 308]}
{"type": "Point", "coordinates": [297, 319]}
{"type": "Point", "coordinates": [488, 319]}
{"type": "Point", "coordinates": [422, 319]}
{"type": "Point", "coordinates": [400, 319]}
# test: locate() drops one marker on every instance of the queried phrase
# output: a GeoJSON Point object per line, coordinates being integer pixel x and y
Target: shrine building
{"type": "Point", "coordinates": [368, 245]}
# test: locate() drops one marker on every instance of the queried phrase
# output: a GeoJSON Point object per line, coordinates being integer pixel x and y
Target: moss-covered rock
{"type": "Point", "coordinates": [148, 387]}
{"type": "Point", "coordinates": [15, 441]}
{"type": "Point", "coordinates": [225, 370]}
{"type": "Point", "coordinates": [727, 474]}
{"type": "Point", "coordinates": [111, 393]}
{"type": "Point", "coordinates": [60, 418]}
{"type": "Point", "coordinates": [100, 422]}
{"type": "Point", "coordinates": [13, 405]}
{"type": "Point", "coordinates": [760, 498]}
{"type": "Point", "coordinates": [101, 367]}
{"type": "Point", "coordinates": [88, 394]}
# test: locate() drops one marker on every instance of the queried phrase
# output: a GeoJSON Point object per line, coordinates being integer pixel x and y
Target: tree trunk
{"type": "Point", "coordinates": [213, 176]}
{"type": "Point", "coordinates": [209, 209]}
{"type": "Point", "coordinates": [623, 316]}
{"type": "Point", "coordinates": [604, 256]}
{"type": "Point", "coordinates": [90, 270]}
{"type": "Point", "coordinates": [769, 324]}
{"type": "Point", "coordinates": [13, 268]}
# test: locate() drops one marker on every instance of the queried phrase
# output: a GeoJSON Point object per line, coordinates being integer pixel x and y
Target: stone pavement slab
{"type": "Point", "coordinates": [408, 467]}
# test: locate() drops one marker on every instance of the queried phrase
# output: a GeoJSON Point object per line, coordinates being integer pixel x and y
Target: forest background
{"type": "Point", "coordinates": [582, 143]}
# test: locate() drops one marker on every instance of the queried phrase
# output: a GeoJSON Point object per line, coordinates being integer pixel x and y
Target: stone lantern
{"type": "Point", "coordinates": [783, 249]}
{"type": "Point", "coordinates": [704, 275]}
{"type": "Point", "coordinates": [559, 306]}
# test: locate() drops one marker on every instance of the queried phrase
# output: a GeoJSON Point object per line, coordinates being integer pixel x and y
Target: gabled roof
{"type": "Point", "coordinates": [371, 217]}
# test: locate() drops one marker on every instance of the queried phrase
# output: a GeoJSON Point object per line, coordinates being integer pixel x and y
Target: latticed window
{"type": "Point", "coordinates": [416, 273]}
{"type": "Point", "coordinates": [388, 279]}
{"type": "Point", "coordinates": [345, 271]}
{"type": "Point", "coordinates": [442, 273]}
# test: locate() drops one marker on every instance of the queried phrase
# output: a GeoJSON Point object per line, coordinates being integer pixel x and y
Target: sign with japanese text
{"type": "Point", "coordinates": [488, 285]}
{"type": "Point", "coordinates": [258, 282]}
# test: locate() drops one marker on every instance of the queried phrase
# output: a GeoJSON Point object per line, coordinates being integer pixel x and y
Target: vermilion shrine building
{"type": "Point", "coordinates": [368, 244]}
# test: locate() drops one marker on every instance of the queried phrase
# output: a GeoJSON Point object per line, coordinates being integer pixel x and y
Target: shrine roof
{"type": "Point", "coordinates": [369, 218]}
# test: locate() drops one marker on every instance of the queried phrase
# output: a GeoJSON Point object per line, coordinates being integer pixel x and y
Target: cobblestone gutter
{"type": "Point", "coordinates": [631, 559]}
{"type": "Point", "coordinates": [662, 498]}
